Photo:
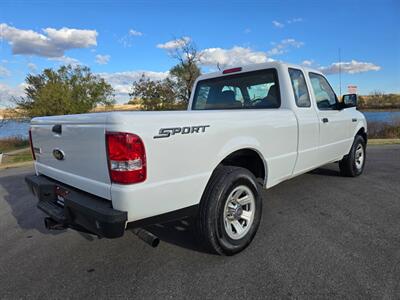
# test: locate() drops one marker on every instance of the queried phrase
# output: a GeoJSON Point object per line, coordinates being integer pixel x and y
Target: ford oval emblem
{"type": "Point", "coordinates": [58, 154]}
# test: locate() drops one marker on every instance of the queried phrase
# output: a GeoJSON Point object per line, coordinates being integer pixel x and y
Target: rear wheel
{"type": "Point", "coordinates": [352, 164]}
{"type": "Point", "coordinates": [230, 211]}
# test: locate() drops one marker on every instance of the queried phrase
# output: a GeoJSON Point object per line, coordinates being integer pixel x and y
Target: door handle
{"type": "Point", "coordinates": [57, 129]}
{"type": "Point", "coordinates": [325, 120]}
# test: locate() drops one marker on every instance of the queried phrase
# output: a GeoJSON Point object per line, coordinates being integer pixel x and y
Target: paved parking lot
{"type": "Point", "coordinates": [321, 236]}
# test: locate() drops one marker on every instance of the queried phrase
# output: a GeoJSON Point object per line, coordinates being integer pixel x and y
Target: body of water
{"type": "Point", "coordinates": [382, 116]}
{"type": "Point", "coordinates": [14, 128]}
{"type": "Point", "coordinates": [17, 128]}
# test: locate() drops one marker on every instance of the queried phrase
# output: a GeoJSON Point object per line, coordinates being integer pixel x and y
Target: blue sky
{"type": "Point", "coordinates": [120, 39]}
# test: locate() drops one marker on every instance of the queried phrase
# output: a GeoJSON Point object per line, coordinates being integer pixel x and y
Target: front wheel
{"type": "Point", "coordinates": [230, 210]}
{"type": "Point", "coordinates": [352, 164]}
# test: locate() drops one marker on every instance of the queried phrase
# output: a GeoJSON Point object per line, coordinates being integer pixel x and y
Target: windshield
{"type": "Point", "coordinates": [250, 90]}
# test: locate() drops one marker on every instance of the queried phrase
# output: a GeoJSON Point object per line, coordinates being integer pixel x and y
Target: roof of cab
{"type": "Point", "coordinates": [255, 67]}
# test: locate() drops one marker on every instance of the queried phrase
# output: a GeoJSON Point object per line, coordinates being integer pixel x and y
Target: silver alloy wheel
{"type": "Point", "coordinates": [239, 212]}
{"type": "Point", "coordinates": [359, 156]}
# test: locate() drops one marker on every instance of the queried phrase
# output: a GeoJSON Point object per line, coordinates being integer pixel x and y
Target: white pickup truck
{"type": "Point", "coordinates": [245, 128]}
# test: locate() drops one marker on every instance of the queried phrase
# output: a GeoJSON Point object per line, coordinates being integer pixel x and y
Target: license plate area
{"type": "Point", "coordinates": [61, 193]}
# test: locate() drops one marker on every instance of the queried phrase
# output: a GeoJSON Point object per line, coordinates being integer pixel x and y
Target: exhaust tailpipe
{"type": "Point", "coordinates": [50, 224]}
{"type": "Point", "coordinates": [147, 237]}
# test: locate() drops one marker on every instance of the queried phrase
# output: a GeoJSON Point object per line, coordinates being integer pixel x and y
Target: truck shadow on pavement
{"type": "Point", "coordinates": [28, 217]}
{"type": "Point", "coordinates": [181, 233]}
{"type": "Point", "coordinates": [23, 204]}
{"type": "Point", "coordinates": [328, 170]}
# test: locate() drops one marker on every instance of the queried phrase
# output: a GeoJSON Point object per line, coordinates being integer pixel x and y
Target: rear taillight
{"type": "Point", "coordinates": [31, 143]}
{"type": "Point", "coordinates": [126, 157]}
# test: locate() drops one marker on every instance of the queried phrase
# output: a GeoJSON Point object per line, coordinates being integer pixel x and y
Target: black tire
{"type": "Point", "coordinates": [211, 219]}
{"type": "Point", "coordinates": [349, 165]}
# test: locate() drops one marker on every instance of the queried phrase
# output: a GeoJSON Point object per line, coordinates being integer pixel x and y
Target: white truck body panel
{"type": "Point", "coordinates": [290, 140]}
{"type": "Point", "coordinates": [83, 140]}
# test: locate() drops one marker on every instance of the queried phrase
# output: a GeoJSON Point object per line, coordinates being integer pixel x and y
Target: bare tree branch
{"type": "Point", "coordinates": [187, 70]}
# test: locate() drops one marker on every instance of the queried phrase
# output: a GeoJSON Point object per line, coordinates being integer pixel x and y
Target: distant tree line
{"type": "Point", "coordinates": [379, 100]}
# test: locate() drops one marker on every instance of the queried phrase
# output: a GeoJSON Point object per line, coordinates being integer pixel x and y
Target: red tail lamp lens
{"type": "Point", "coordinates": [126, 157]}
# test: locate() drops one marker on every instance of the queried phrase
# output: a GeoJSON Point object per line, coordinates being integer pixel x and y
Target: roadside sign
{"type": "Point", "coordinates": [352, 89]}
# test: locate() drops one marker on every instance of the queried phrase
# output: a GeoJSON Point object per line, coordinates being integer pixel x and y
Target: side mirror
{"type": "Point", "coordinates": [349, 100]}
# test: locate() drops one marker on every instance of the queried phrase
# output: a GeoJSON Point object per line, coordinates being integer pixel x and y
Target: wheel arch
{"type": "Point", "coordinates": [361, 131]}
{"type": "Point", "coordinates": [248, 158]}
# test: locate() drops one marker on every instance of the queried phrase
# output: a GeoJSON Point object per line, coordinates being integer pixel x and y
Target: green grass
{"type": "Point", "coordinates": [13, 143]}
{"type": "Point", "coordinates": [383, 141]}
{"type": "Point", "coordinates": [20, 157]}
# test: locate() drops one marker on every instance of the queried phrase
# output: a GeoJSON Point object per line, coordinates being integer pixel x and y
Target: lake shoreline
{"type": "Point", "coordinates": [379, 110]}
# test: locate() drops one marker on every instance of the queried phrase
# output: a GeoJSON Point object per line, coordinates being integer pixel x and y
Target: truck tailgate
{"type": "Point", "coordinates": [72, 149]}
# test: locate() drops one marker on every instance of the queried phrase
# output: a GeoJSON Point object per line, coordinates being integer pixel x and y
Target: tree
{"type": "Point", "coordinates": [173, 92]}
{"type": "Point", "coordinates": [68, 90]}
{"type": "Point", "coordinates": [184, 74]}
{"type": "Point", "coordinates": [361, 102]}
{"type": "Point", "coordinates": [154, 94]}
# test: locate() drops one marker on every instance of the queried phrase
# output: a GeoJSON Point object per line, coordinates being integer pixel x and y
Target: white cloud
{"type": "Point", "coordinates": [229, 57]}
{"type": "Point", "coordinates": [102, 59]}
{"type": "Point", "coordinates": [32, 67]}
{"type": "Point", "coordinates": [66, 60]}
{"type": "Point", "coordinates": [307, 63]}
{"type": "Point", "coordinates": [122, 81]}
{"type": "Point", "coordinates": [284, 45]}
{"type": "Point", "coordinates": [127, 39]}
{"type": "Point", "coordinates": [51, 43]}
{"type": "Point", "coordinates": [351, 67]}
{"type": "Point", "coordinates": [247, 30]}
{"type": "Point", "coordinates": [176, 43]}
{"type": "Point", "coordinates": [278, 24]}
{"type": "Point", "coordinates": [294, 20]}
{"type": "Point", "coordinates": [8, 92]}
{"type": "Point", "coordinates": [4, 72]}
{"type": "Point", "coordinates": [134, 32]}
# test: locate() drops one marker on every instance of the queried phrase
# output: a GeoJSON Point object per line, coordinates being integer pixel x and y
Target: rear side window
{"type": "Point", "coordinates": [299, 86]}
{"type": "Point", "coordinates": [250, 90]}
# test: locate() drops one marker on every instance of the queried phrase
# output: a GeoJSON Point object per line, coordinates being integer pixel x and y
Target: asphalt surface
{"type": "Point", "coordinates": [321, 236]}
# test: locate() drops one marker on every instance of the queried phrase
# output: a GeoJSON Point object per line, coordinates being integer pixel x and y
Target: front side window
{"type": "Point", "coordinates": [299, 86]}
{"type": "Point", "coordinates": [250, 90]}
{"type": "Point", "coordinates": [324, 94]}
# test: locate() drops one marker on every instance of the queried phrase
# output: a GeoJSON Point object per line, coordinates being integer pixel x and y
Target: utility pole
{"type": "Point", "coordinates": [340, 74]}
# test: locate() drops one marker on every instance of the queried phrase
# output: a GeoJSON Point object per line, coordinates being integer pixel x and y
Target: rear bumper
{"type": "Point", "coordinates": [80, 210]}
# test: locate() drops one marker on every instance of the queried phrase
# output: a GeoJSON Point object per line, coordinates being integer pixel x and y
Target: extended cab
{"type": "Point", "coordinates": [245, 128]}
